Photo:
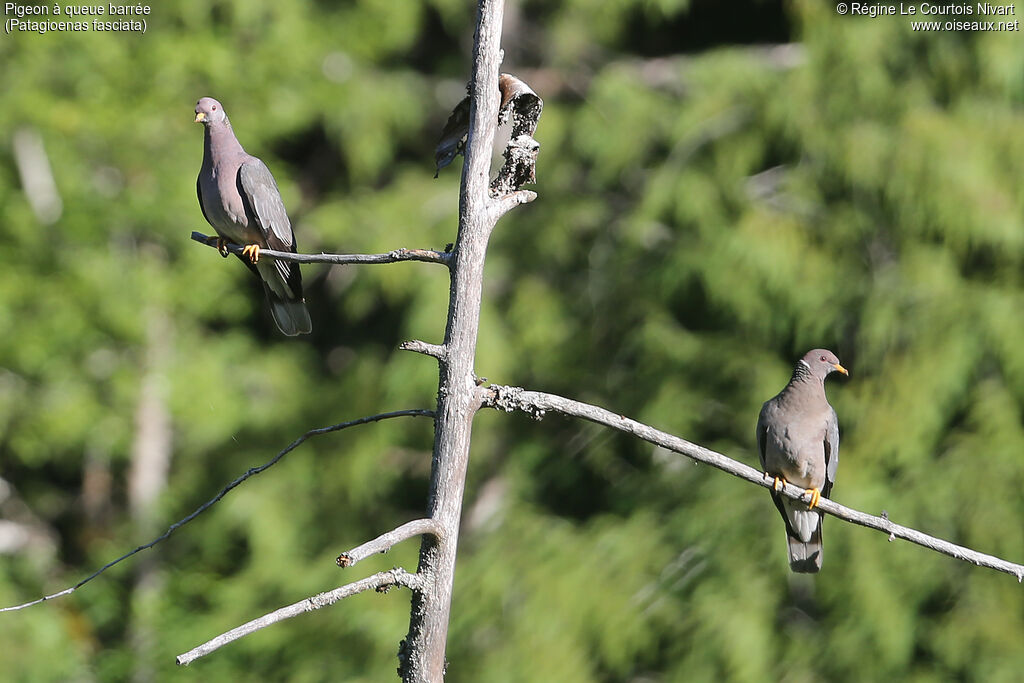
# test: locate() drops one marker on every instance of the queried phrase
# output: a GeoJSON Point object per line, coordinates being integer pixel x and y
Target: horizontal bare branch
{"type": "Point", "coordinates": [205, 506]}
{"type": "Point", "coordinates": [394, 256]}
{"type": "Point", "coordinates": [379, 582]}
{"type": "Point", "coordinates": [536, 404]}
{"type": "Point", "coordinates": [386, 541]}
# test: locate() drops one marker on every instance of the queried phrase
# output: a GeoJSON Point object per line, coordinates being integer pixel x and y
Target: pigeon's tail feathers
{"type": "Point", "coordinates": [802, 522]}
{"type": "Point", "coordinates": [805, 556]}
{"type": "Point", "coordinates": [292, 317]}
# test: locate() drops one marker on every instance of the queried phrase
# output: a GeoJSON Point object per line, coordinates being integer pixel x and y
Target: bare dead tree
{"type": "Point", "coordinates": [460, 396]}
{"type": "Point", "coordinates": [421, 654]}
{"type": "Point", "coordinates": [481, 204]}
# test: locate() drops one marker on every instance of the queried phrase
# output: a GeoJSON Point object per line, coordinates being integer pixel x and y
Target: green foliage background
{"type": "Point", "coordinates": [708, 211]}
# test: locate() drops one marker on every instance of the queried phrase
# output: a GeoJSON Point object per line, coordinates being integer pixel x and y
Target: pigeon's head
{"type": "Point", "coordinates": [209, 110]}
{"type": "Point", "coordinates": [821, 362]}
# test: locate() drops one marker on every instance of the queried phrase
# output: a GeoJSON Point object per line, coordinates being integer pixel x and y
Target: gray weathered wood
{"type": "Point", "coordinates": [421, 655]}
{"type": "Point", "coordinates": [536, 404]}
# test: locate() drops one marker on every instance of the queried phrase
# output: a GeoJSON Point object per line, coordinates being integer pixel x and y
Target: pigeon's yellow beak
{"type": "Point", "coordinates": [200, 116]}
{"type": "Point", "coordinates": [837, 366]}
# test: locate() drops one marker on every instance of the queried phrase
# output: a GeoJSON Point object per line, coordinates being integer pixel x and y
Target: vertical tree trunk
{"type": "Point", "coordinates": [147, 480]}
{"type": "Point", "coordinates": [422, 654]}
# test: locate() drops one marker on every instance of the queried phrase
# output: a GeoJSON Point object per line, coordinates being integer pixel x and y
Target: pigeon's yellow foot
{"type": "Point", "coordinates": [253, 252]}
{"type": "Point", "coordinates": [222, 247]}
{"type": "Point", "coordinates": [815, 495]}
{"type": "Point", "coordinates": [778, 484]}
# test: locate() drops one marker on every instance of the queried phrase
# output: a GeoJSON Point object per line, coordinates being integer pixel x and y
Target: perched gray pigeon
{"type": "Point", "coordinates": [798, 440]}
{"type": "Point", "coordinates": [239, 198]}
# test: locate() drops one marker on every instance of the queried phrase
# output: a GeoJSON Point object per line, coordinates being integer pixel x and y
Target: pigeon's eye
{"type": "Point", "coordinates": [823, 358]}
{"type": "Point", "coordinates": [214, 108]}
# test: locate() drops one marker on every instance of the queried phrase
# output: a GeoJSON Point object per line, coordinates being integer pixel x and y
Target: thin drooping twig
{"type": "Point", "coordinates": [537, 403]}
{"type": "Point", "coordinates": [379, 582]}
{"type": "Point", "coordinates": [394, 256]}
{"type": "Point", "coordinates": [202, 508]}
{"type": "Point", "coordinates": [386, 541]}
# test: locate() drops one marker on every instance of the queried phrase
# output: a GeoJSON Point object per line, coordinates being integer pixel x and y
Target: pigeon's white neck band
{"type": "Point", "coordinates": [805, 363]}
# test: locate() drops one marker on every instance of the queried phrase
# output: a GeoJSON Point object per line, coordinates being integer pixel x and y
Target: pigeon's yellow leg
{"type": "Point", "coordinates": [778, 484]}
{"type": "Point", "coordinates": [253, 252]}
{"type": "Point", "coordinates": [815, 495]}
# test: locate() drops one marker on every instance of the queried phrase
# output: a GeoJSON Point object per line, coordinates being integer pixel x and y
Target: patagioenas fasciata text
{"type": "Point", "coordinates": [239, 198]}
{"type": "Point", "coordinates": [798, 441]}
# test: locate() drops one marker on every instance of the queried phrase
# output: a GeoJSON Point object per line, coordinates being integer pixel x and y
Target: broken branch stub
{"type": "Point", "coordinates": [519, 102]}
{"type": "Point", "coordinates": [523, 107]}
{"type": "Point", "coordinates": [519, 167]}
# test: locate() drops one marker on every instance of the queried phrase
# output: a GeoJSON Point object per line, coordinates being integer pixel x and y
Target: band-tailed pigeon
{"type": "Point", "coordinates": [798, 440]}
{"type": "Point", "coordinates": [239, 198]}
